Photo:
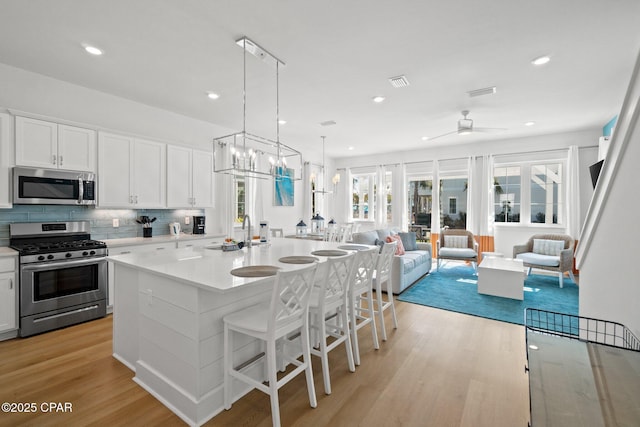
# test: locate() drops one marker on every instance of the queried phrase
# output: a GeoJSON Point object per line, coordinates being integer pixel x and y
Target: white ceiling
{"type": "Point", "coordinates": [338, 55]}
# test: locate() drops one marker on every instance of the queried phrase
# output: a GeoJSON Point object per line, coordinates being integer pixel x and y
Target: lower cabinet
{"type": "Point", "coordinates": [8, 297]}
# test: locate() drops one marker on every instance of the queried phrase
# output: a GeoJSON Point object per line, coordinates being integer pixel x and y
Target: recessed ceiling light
{"type": "Point", "coordinates": [541, 60]}
{"type": "Point", "coordinates": [92, 50]}
{"type": "Point", "coordinates": [378, 99]}
{"type": "Point", "coordinates": [424, 138]}
{"type": "Point", "coordinates": [351, 148]}
{"type": "Point", "coordinates": [530, 123]}
{"type": "Point", "coordinates": [213, 95]}
{"type": "Point", "coordinates": [282, 122]}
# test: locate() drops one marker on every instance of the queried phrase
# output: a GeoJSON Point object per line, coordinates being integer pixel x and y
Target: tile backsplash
{"type": "Point", "coordinates": [101, 220]}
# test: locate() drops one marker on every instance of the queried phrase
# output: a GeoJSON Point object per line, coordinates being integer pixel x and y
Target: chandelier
{"type": "Point", "coordinates": [249, 155]}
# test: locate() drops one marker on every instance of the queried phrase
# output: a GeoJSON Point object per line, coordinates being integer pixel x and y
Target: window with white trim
{"type": "Point", "coordinates": [546, 190]}
{"type": "Point", "coordinates": [363, 195]}
{"type": "Point", "coordinates": [453, 205]}
{"type": "Point", "coordinates": [507, 191]}
{"type": "Point", "coordinates": [529, 192]}
{"type": "Point", "coordinates": [239, 195]}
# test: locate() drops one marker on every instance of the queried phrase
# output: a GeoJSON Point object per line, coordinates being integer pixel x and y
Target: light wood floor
{"type": "Point", "coordinates": [438, 369]}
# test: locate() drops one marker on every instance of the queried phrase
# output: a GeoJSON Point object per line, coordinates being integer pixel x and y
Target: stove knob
{"type": "Point", "coordinates": [49, 256]}
{"type": "Point", "coordinates": [85, 253]}
{"type": "Point", "coordinates": [92, 253]}
{"type": "Point", "coordinates": [41, 258]}
{"type": "Point", "coordinates": [68, 255]}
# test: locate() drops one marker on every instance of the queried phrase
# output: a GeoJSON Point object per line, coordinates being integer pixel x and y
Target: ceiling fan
{"type": "Point", "coordinates": [465, 127]}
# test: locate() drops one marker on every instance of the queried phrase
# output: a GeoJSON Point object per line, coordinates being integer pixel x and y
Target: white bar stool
{"type": "Point", "coordinates": [329, 296]}
{"type": "Point", "coordinates": [287, 312]}
{"type": "Point", "coordinates": [383, 275]}
{"type": "Point", "coordinates": [360, 289]}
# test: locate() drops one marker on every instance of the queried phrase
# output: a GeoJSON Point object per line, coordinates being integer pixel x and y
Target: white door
{"type": "Point", "coordinates": [7, 301]}
{"type": "Point", "coordinates": [114, 166]}
{"type": "Point", "coordinates": [36, 143]}
{"type": "Point", "coordinates": [76, 148]}
{"type": "Point", "coordinates": [149, 174]}
{"type": "Point", "coordinates": [179, 191]}
{"type": "Point", "coordinates": [203, 179]}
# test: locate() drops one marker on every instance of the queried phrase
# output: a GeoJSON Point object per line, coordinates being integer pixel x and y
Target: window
{"type": "Point", "coordinates": [453, 189]}
{"type": "Point", "coordinates": [453, 205]}
{"type": "Point", "coordinates": [239, 199]}
{"type": "Point", "coordinates": [506, 187]}
{"type": "Point", "coordinates": [529, 192]}
{"type": "Point", "coordinates": [420, 201]}
{"type": "Point", "coordinates": [546, 184]}
{"type": "Point", "coordinates": [363, 190]}
{"type": "Point", "coordinates": [388, 185]}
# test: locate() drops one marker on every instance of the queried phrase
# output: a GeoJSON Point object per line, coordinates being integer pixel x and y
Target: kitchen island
{"type": "Point", "coordinates": [167, 318]}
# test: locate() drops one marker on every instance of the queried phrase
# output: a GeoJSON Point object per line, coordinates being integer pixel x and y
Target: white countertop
{"type": "Point", "coordinates": [7, 251]}
{"type": "Point", "coordinates": [163, 238]}
{"type": "Point", "coordinates": [210, 268]}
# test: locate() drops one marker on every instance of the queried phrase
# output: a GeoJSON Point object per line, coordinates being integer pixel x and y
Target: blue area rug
{"type": "Point", "coordinates": [455, 288]}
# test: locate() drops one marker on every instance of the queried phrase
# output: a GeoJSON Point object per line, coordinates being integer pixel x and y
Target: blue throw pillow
{"type": "Point", "coordinates": [409, 240]}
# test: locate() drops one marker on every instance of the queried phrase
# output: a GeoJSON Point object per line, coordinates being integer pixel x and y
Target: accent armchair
{"type": "Point", "coordinates": [458, 245]}
{"type": "Point", "coordinates": [552, 252]}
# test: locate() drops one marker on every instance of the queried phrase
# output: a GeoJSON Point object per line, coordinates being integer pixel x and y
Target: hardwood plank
{"type": "Point", "coordinates": [439, 368]}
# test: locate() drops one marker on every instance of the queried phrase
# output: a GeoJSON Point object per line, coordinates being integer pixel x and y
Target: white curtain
{"type": "Point", "coordinates": [573, 192]}
{"type": "Point", "coordinates": [380, 214]}
{"type": "Point", "coordinates": [435, 216]}
{"type": "Point", "coordinates": [488, 198]}
{"type": "Point", "coordinates": [399, 202]}
{"type": "Point", "coordinates": [473, 205]}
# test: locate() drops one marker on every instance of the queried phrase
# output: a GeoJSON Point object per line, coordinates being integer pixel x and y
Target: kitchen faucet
{"type": "Point", "coordinates": [248, 236]}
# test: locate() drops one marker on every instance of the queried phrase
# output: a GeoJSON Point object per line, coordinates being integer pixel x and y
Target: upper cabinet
{"type": "Point", "coordinates": [6, 159]}
{"type": "Point", "coordinates": [54, 146]}
{"type": "Point", "coordinates": [189, 178]}
{"type": "Point", "coordinates": [131, 172]}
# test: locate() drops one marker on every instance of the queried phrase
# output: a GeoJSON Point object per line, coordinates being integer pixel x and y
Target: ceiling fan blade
{"type": "Point", "coordinates": [444, 134]}
{"type": "Point", "coordinates": [488, 130]}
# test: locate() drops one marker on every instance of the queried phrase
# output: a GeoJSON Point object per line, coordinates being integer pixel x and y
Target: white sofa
{"type": "Point", "coordinates": [407, 268]}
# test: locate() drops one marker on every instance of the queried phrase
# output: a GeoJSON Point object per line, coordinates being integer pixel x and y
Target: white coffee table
{"type": "Point", "coordinates": [501, 277]}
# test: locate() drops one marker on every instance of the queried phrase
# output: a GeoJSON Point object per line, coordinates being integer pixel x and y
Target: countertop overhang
{"type": "Point", "coordinates": [210, 268]}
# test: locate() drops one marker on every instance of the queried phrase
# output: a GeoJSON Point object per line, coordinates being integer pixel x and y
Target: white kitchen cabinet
{"type": "Point", "coordinates": [189, 178]}
{"type": "Point", "coordinates": [50, 145]}
{"type": "Point", "coordinates": [131, 172]}
{"type": "Point", "coordinates": [121, 250]}
{"type": "Point", "coordinates": [8, 301]}
{"type": "Point", "coordinates": [6, 159]}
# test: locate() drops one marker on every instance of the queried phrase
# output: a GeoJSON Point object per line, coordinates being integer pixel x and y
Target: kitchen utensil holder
{"type": "Point", "coordinates": [147, 232]}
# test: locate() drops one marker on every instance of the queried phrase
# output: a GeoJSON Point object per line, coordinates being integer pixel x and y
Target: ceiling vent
{"type": "Point", "coordinates": [480, 92]}
{"type": "Point", "coordinates": [399, 81]}
{"type": "Point", "coordinates": [328, 123]}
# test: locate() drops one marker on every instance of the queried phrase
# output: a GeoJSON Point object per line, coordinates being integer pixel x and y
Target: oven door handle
{"type": "Point", "coordinates": [63, 264]}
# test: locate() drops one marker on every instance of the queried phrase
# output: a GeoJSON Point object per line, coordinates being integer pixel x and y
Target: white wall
{"type": "Point", "coordinates": [607, 253]}
{"type": "Point", "coordinates": [38, 94]}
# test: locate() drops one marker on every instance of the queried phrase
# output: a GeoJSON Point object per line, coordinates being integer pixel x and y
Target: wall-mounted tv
{"type": "Point", "coordinates": [594, 169]}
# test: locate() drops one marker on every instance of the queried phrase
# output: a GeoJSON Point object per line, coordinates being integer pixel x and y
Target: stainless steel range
{"type": "Point", "coordinates": [63, 274]}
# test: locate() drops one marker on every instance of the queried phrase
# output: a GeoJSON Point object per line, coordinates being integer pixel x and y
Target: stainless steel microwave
{"type": "Point", "coordinates": [33, 186]}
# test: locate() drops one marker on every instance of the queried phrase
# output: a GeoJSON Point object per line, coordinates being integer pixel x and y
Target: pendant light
{"type": "Point", "coordinates": [250, 155]}
{"type": "Point", "coordinates": [324, 178]}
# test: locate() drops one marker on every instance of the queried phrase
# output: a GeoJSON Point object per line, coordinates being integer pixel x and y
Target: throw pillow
{"type": "Point", "coordinates": [399, 248]}
{"type": "Point", "coordinates": [409, 240]}
{"type": "Point", "coordinates": [456, 241]}
{"type": "Point", "coordinates": [548, 247]}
